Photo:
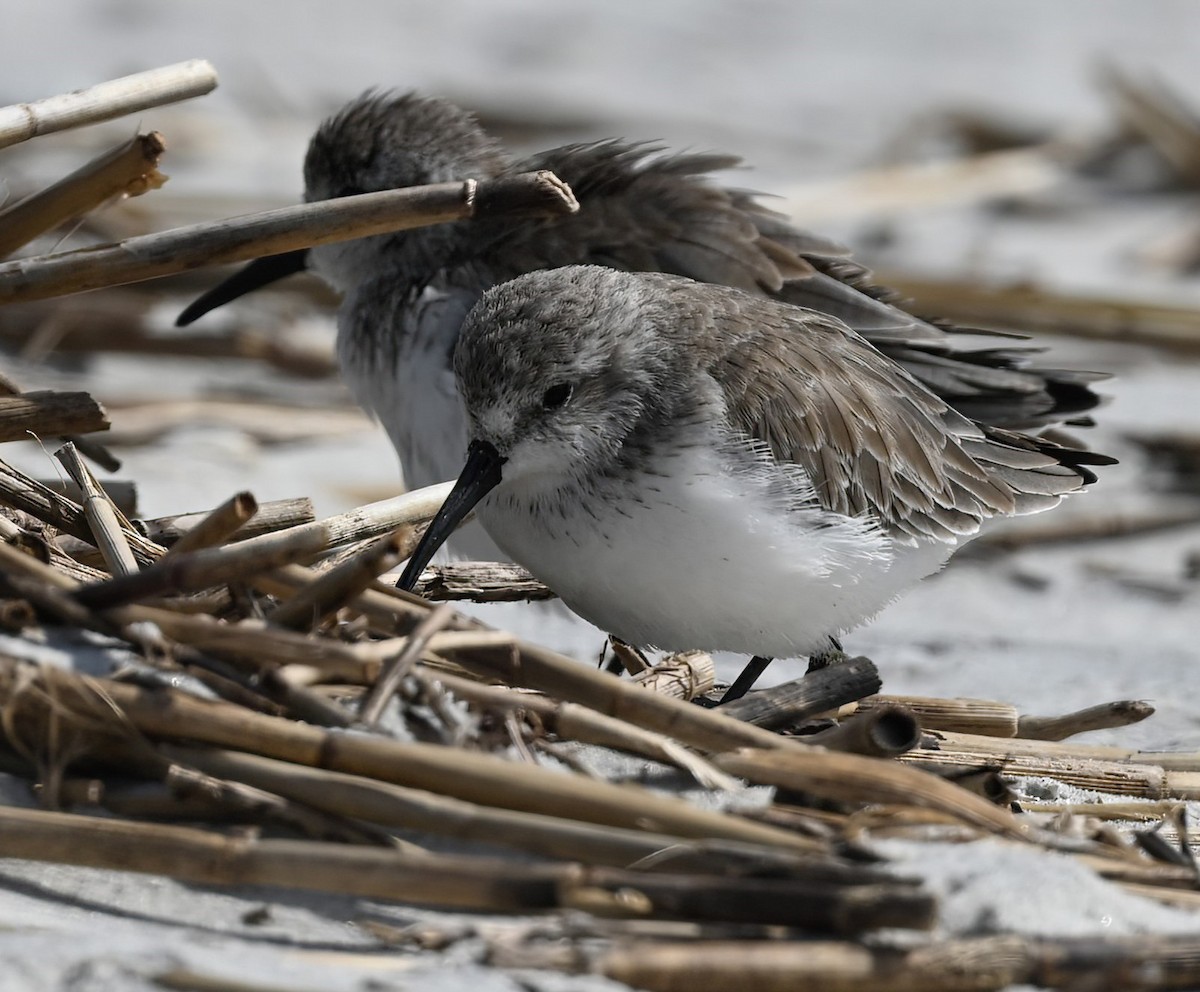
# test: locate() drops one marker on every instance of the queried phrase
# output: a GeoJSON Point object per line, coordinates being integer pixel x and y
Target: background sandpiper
{"type": "Point", "coordinates": [692, 466]}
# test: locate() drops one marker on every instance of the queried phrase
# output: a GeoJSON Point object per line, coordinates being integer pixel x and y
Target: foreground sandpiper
{"type": "Point", "coordinates": [691, 466]}
{"type": "Point", "coordinates": [405, 295]}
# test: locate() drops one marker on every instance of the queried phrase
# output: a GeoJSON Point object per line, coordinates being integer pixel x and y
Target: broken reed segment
{"type": "Point", "coordinates": [48, 413]}
{"type": "Point", "coordinates": [1159, 116]}
{"type": "Point", "coordinates": [455, 881]}
{"type": "Point", "coordinates": [129, 169]}
{"type": "Point", "coordinates": [279, 231]}
{"type": "Point", "coordinates": [882, 732]}
{"type": "Point", "coordinates": [105, 101]}
{"type": "Point", "coordinates": [215, 527]}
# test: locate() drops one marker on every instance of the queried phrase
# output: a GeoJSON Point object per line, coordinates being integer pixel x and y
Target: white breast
{"type": "Point", "coordinates": [712, 554]}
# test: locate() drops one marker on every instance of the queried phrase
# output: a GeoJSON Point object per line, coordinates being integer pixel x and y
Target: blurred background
{"type": "Point", "coordinates": [1020, 164]}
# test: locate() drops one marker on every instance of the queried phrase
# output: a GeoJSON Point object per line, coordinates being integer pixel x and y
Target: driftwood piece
{"type": "Point", "coordinates": [48, 413]}
{"type": "Point", "coordinates": [1121, 713]}
{"type": "Point", "coordinates": [480, 582]}
{"type": "Point", "coordinates": [104, 101]}
{"type": "Point", "coordinates": [88, 447]}
{"type": "Point", "coordinates": [279, 231]}
{"type": "Point", "coordinates": [129, 169]}
{"type": "Point", "coordinates": [816, 692]}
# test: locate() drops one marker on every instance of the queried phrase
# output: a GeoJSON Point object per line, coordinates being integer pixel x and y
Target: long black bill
{"type": "Point", "coordinates": [479, 476]}
{"type": "Point", "coordinates": [261, 272]}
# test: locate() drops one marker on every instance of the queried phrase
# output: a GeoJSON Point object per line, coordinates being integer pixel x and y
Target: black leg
{"type": "Point", "coordinates": [744, 682]}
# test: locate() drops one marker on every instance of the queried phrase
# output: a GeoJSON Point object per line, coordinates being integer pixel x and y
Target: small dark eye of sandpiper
{"type": "Point", "coordinates": [557, 395]}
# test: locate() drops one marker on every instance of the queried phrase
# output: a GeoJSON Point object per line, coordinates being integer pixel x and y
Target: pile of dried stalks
{"type": "Point", "coordinates": [314, 727]}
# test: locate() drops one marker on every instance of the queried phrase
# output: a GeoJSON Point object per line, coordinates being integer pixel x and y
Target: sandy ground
{"type": "Point", "coordinates": [806, 90]}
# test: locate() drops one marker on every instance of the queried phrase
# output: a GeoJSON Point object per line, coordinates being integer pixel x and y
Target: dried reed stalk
{"type": "Point", "coordinates": [1031, 308]}
{"type": "Point", "coordinates": [1091, 526]}
{"type": "Point", "coordinates": [129, 169]}
{"type": "Point", "coordinates": [870, 193]}
{"type": "Point", "coordinates": [857, 779]}
{"type": "Point", "coordinates": [1157, 114]}
{"type": "Point", "coordinates": [1124, 779]}
{"type": "Point", "coordinates": [1187, 761]}
{"type": "Point", "coordinates": [978, 964]}
{"type": "Point", "coordinates": [122, 492]}
{"type": "Point", "coordinates": [243, 560]}
{"type": "Point", "coordinates": [972, 716]}
{"type": "Point", "coordinates": [311, 604]}
{"type": "Point", "coordinates": [102, 516]}
{"type": "Point", "coordinates": [571, 721]}
{"type": "Point", "coordinates": [459, 881]}
{"type": "Point", "coordinates": [48, 413]}
{"type": "Point", "coordinates": [394, 670]}
{"type": "Point", "coordinates": [29, 496]}
{"type": "Point", "coordinates": [475, 777]}
{"type": "Point", "coordinates": [279, 231]}
{"type": "Point", "coordinates": [104, 101]}
{"type": "Point", "coordinates": [416, 809]}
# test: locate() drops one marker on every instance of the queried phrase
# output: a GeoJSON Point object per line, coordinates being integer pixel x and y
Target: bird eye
{"type": "Point", "coordinates": [557, 395]}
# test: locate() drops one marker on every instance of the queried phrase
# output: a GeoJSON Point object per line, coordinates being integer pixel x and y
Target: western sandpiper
{"type": "Point", "coordinates": [693, 466]}
{"type": "Point", "coordinates": [405, 295]}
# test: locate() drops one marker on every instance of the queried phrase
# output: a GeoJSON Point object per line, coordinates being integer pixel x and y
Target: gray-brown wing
{"type": "Point", "coordinates": [873, 439]}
